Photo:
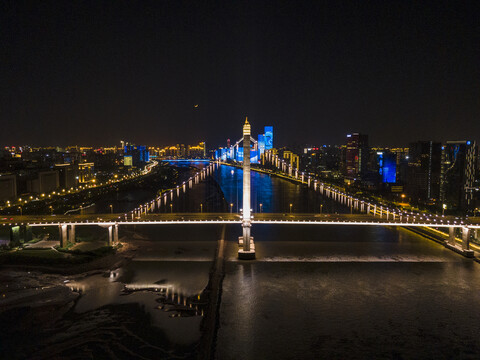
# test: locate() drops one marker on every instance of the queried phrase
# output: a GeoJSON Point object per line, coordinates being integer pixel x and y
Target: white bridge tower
{"type": "Point", "coordinates": [247, 252]}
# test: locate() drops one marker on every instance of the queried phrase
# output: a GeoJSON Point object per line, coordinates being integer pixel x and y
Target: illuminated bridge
{"type": "Point", "coordinates": [67, 224]}
{"type": "Point", "coordinates": [363, 213]}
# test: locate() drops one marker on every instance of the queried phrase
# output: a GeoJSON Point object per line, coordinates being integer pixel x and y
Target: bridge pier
{"type": "Point", "coordinates": [466, 242]}
{"type": "Point", "coordinates": [62, 232]}
{"type": "Point", "coordinates": [15, 235]}
{"type": "Point", "coordinates": [19, 234]}
{"type": "Point", "coordinates": [451, 236]}
{"type": "Point", "coordinates": [451, 244]}
{"type": "Point", "coordinates": [71, 234]}
{"type": "Point", "coordinates": [110, 235]}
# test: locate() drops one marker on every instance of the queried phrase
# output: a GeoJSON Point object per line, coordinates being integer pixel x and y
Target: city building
{"type": "Point", "coordinates": [197, 151]}
{"type": "Point", "coordinates": [387, 167]}
{"type": "Point", "coordinates": [357, 153]}
{"type": "Point", "coordinates": [127, 160]}
{"type": "Point", "coordinates": [138, 154]}
{"type": "Point", "coordinates": [44, 182]}
{"type": "Point", "coordinates": [8, 187]}
{"type": "Point", "coordinates": [67, 175]}
{"type": "Point", "coordinates": [268, 137]}
{"type": "Point", "coordinates": [458, 171]}
{"type": "Point", "coordinates": [293, 159]}
{"type": "Point", "coordinates": [86, 172]}
{"type": "Point", "coordinates": [423, 171]}
{"type": "Point", "coordinates": [257, 148]}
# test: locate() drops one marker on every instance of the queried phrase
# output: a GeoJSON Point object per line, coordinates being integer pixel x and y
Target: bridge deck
{"type": "Point", "coordinates": [258, 218]}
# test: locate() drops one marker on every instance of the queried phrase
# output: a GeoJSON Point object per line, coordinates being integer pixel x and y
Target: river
{"type": "Point", "coordinates": [314, 292]}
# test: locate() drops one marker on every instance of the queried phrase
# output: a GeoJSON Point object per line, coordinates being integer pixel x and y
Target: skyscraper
{"type": "Point", "coordinates": [387, 166]}
{"type": "Point", "coordinates": [459, 160]}
{"type": "Point", "coordinates": [423, 173]}
{"type": "Point", "coordinates": [268, 137]}
{"type": "Point", "coordinates": [356, 155]}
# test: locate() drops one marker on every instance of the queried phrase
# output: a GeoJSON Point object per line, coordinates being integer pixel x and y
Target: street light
{"type": "Point", "coordinates": [291, 208]}
{"type": "Point", "coordinates": [171, 208]}
{"type": "Point", "coordinates": [21, 211]}
{"type": "Point", "coordinates": [111, 209]}
{"type": "Point", "coordinates": [201, 208]}
{"type": "Point", "coordinates": [231, 207]}
{"type": "Point", "coordinates": [321, 208]}
{"type": "Point", "coordinates": [51, 209]}
{"type": "Point", "coordinates": [261, 206]}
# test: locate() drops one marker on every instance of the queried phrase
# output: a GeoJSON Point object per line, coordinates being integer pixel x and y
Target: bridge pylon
{"type": "Point", "coordinates": [247, 250]}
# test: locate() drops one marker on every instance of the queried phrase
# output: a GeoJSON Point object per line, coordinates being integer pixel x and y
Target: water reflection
{"type": "Point", "coordinates": [272, 194]}
{"type": "Point", "coordinates": [167, 278]}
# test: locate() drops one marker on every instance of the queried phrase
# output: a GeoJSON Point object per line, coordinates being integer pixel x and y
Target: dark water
{"type": "Point", "coordinates": [314, 292]}
{"type": "Point", "coordinates": [339, 293]}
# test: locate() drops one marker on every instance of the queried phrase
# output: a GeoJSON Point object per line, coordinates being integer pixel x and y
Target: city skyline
{"type": "Point", "coordinates": [76, 73]}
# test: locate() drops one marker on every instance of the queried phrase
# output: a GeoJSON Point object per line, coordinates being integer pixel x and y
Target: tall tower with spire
{"type": "Point", "coordinates": [248, 251]}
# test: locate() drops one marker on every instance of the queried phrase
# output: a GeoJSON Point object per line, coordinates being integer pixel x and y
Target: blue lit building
{"type": "Point", "coordinates": [139, 154]}
{"type": "Point", "coordinates": [235, 153]}
{"type": "Point", "coordinates": [387, 167]}
{"type": "Point", "coordinates": [261, 144]}
{"type": "Point", "coordinates": [268, 137]}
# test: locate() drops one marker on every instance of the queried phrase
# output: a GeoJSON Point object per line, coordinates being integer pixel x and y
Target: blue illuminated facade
{"type": "Point", "coordinates": [139, 154]}
{"type": "Point", "coordinates": [387, 167]}
{"type": "Point", "coordinates": [268, 137]}
{"type": "Point", "coordinates": [235, 153]}
{"type": "Point", "coordinates": [261, 144]}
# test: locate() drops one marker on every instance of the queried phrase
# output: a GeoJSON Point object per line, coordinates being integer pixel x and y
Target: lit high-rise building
{"type": "Point", "coordinates": [357, 153]}
{"type": "Point", "coordinates": [458, 170]}
{"type": "Point", "coordinates": [423, 172]}
{"type": "Point", "coordinates": [268, 137]}
{"type": "Point", "coordinates": [387, 166]}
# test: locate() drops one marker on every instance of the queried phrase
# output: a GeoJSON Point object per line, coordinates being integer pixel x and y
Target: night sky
{"type": "Point", "coordinates": [95, 73]}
